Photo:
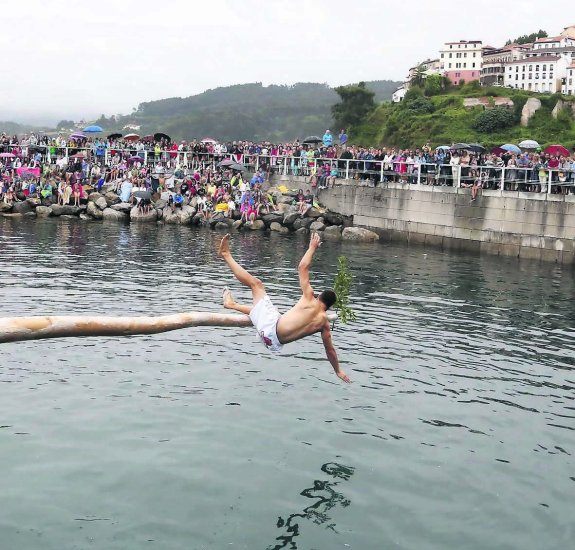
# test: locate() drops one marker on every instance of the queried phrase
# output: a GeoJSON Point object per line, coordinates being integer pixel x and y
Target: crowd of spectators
{"type": "Point", "coordinates": [64, 168]}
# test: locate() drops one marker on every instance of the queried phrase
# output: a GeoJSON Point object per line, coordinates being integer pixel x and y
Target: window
{"type": "Point", "coordinates": [450, 55]}
{"type": "Point", "coordinates": [450, 46]}
{"type": "Point", "coordinates": [450, 65]}
{"type": "Point", "coordinates": [530, 76]}
{"type": "Point", "coordinates": [517, 77]}
{"type": "Point", "coordinates": [458, 55]}
{"type": "Point", "coordinates": [530, 67]}
{"type": "Point", "coordinates": [530, 87]}
{"type": "Point", "coordinates": [473, 65]}
{"type": "Point", "coordinates": [536, 76]}
{"type": "Point", "coordinates": [473, 54]}
{"type": "Point", "coordinates": [441, 56]}
{"type": "Point", "coordinates": [523, 77]}
{"type": "Point", "coordinates": [544, 68]}
{"type": "Point", "coordinates": [536, 67]}
{"type": "Point", "coordinates": [465, 54]}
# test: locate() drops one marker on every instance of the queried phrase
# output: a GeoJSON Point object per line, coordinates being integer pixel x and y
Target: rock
{"type": "Point", "coordinates": [290, 218]}
{"type": "Point", "coordinates": [359, 234]}
{"type": "Point", "coordinates": [317, 226]}
{"type": "Point", "coordinates": [217, 217]}
{"type": "Point", "coordinates": [332, 218]}
{"type": "Point", "coordinates": [160, 204]}
{"type": "Point", "coordinates": [111, 198]}
{"type": "Point", "coordinates": [141, 217]}
{"type": "Point", "coordinates": [43, 211]}
{"type": "Point", "coordinates": [101, 203]}
{"type": "Point", "coordinates": [57, 210]}
{"type": "Point", "coordinates": [273, 217]}
{"type": "Point", "coordinates": [332, 233]}
{"type": "Point", "coordinates": [47, 202]}
{"type": "Point", "coordinates": [85, 217]}
{"type": "Point", "coordinates": [221, 226]}
{"type": "Point", "coordinates": [284, 199]}
{"type": "Point", "coordinates": [124, 207]}
{"type": "Point", "coordinates": [313, 213]}
{"type": "Point", "coordinates": [302, 231]}
{"type": "Point", "coordinates": [287, 208]}
{"type": "Point", "coordinates": [187, 214]}
{"type": "Point", "coordinates": [110, 214]}
{"type": "Point", "coordinates": [21, 208]}
{"type": "Point", "coordinates": [5, 207]}
{"type": "Point", "coordinates": [256, 225]}
{"type": "Point", "coordinates": [302, 222]}
{"type": "Point", "coordinates": [93, 197]}
{"type": "Point", "coordinates": [34, 202]}
{"type": "Point", "coordinates": [237, 224]}
{"type": "Point", "coordinates": [198, 219]}
{"type": "Point", "coordinates": [529, 109]}
{"type": "Point", "coordinates": [275, 226]}
{"type": "Point", "coordinates": [92, 211]}
{"type": "Point", "coordinates": [68, 210]}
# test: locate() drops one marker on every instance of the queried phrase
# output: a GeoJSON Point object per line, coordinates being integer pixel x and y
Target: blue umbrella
{"type": "Point", "coordinates": [93, 129]}
{"type": "Point", "coordinates": [510, 148]}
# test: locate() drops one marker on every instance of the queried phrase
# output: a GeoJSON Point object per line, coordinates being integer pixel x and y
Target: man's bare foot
{"type": "Point", "coordinates": [228, 299]}
{"type": "Point", "coordinates": [224, 246]}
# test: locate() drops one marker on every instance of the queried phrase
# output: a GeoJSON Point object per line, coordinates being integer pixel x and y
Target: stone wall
{"type": "Point", "coordinates": [525, 225]}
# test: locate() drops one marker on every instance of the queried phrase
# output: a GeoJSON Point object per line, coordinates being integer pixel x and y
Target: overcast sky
{"type": "Point", "coordinates": [74, 58]}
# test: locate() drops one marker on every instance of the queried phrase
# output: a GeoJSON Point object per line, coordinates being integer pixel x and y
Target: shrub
{"type": "Point", "coordinates": [494, 120]}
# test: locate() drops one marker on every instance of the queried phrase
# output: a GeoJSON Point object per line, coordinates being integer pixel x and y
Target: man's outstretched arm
{"type": "Point", "coordinates": [303, 267]}
{"type": "Point", "coordinates": [332, 354]}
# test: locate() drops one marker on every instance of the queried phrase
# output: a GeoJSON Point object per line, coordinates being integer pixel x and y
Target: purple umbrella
{"type": "Point", "coordinates": [7, 156]}
{"type": "Point", "coordinates": [78, 135]}
{"type": "Point", "coordinates": [136, 159]}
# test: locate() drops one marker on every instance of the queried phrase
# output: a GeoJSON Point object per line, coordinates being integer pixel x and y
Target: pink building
{"type": "Point", "coordinates": [462, 60]}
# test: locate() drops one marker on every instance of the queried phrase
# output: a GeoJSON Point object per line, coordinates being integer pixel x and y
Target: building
{"type": "Point", "coordinates": [553, 43]}
{"type": "Point", "coordinates": [537, 73]}
{"type": "Point", "coordinates": [462, 60]}
{"type": "Point", "coordinates": [494, 60]}
{"type": "Point", "coordinates": [569, 31]}
{"type": "Point", "coordinates": [399, 94]}
{"type": "Point", "coordinates": [569, 86]}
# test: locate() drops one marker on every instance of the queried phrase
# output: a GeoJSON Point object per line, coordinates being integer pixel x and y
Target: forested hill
{"type": "Point", "coordinates": [248, 111]}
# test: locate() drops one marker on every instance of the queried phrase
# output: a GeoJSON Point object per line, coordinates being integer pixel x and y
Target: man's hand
{"type": "Point", "coordinates": [315, 242]}
{"type": "Point", "coordinates": [343, 376]}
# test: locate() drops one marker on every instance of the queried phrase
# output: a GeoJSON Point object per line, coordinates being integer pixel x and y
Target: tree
{"type": "Point", "coordinates": [434, 84]}
{"type": "Point", "coordinates": [528, 38]}
{"type": "Point", "coordinates": [65, 125]}
{"type": "Point", "coordinates": [494, 120]}
{"type": "Point", "coordinates": [418, 76]}
{"type": "Point", "coordinates": [355, 105]}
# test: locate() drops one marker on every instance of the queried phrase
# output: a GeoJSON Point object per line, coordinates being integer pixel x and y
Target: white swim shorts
{"type": "Point", "coordinates": [265, 316]}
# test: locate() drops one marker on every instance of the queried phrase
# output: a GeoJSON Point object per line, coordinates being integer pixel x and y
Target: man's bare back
{"type": "Point", "coordinates": [307, 317]}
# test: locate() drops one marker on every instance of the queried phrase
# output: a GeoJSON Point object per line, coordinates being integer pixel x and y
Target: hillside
{"type": "Point", "coordinates": [441, 119]}
{"type": "Point", "coordinates": [247, 111]}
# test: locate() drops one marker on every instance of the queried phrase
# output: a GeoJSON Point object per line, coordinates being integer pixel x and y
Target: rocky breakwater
{"type": "Point", "coordinates": [108, 207]}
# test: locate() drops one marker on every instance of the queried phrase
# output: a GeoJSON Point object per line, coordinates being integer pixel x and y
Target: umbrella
{"type": "Point", "coordinates": [77, 135]}
{"type": "Point", "coordinates": [312, 139]}
{"type": "Point", "coordinates": [460, 147]}
{"type": "Point", "coordinates": [92, 129]}
{"type": "Point", "coordinates": [226, 162]}
{"type": "Point", "coordinates": [477, 148]}
{"type": "Point", "coordinates": [510, 148]}
{"type": "Point", "coordinates": [115, 136]}
{"type": "Point", "coordinates": [159, 136]}
{"type": "Point", "coordinates": [208, 140]}
{"type": "Point", "coordinates": [7, 156]}
{"type": "Point", "coordinates": [529, 144]}
{"type": "Point", "coordinates": [557, 150]}
{"type": "Point", "coordinates": [78, 156]}
{"type": "Point", "coordinates": [149, 137]}
{"type": "Point", "coordinates": [443, 148]}
{"type": "Point", "coordinates": [142, 194]}
{"type": "Point", "coordinates": [237, 166]}
{"type": "Point", "coordinates": [136, 159]}
{"type": "Point", "coordinates": [131, 137]}
{"type": "Point", "coordinates": [498, 151]}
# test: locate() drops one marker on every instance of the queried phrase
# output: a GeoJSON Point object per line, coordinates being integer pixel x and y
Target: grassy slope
{"type": "Point", "coordinates": [393, 125]}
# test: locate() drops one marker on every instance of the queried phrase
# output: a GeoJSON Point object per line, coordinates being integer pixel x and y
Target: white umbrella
{"type": "Point", "coordinates": [529, 144]}
{"type": "Point", "coordinates": [208, 140]}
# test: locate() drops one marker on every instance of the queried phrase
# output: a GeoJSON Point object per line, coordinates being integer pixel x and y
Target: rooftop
{"type": "Point", "coordinates": [535, 59]}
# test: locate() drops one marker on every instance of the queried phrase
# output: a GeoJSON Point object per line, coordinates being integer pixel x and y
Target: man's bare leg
{"type": "Point", "coordinates": [230, 303]}
{"type": "Point", "coordinates": [241, 274]}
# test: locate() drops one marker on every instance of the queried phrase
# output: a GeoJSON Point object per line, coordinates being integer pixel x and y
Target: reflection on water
{"type": "Point", "coordinates": [461, 418]}
{"type": "Point", "coordinates": [326, 498]}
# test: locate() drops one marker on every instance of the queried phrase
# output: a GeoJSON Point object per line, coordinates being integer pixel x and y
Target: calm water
{"type": "Point", "coordinates": [458, 432]}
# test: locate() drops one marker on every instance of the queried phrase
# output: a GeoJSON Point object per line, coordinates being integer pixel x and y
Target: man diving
{"type": "Point", "coordinates": [307, 317]}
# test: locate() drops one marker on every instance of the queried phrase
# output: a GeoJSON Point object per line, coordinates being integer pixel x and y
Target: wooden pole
{"type": "Point", "coordinates": [17, 329]}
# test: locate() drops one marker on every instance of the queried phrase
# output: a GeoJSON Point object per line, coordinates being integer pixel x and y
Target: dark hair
{"type": "Point", "coordinates": [328, 297]}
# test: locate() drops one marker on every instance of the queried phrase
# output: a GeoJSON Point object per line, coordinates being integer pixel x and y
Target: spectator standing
{"type": "Point", "coordinates": [327, 139]}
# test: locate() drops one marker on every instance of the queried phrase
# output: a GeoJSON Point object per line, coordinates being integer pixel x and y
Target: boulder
{"type": "Point", "coordinates": [332, 233]}
{"type": "Point", "coordinates": [69, 210]}
{"type": "Point", "coordinates": [198, 219]}
{"type": "Point", "coordinates": [221, 226]}
{"type": "Point", "coordinates": [529, 109]}
{"type": "Point", "coordinates": [317, 226]}
{"type": "Point", "coordinates": [34, 201]}
{"type": "Point", "coordinates": [273, 217]}
{"type": "Point", "coordinates": [124, 207]}
{"type": "Point", "coordinates": [290, 218]}
{"type": "Point", "coordinates": [302, 222]}
{"type": "Point", "coordinates": [101, 203]}
{"type": "Point", "coordinates": [93, 211]}
{"type": "Point", "coordinates": [112, 198]}
{"type": "Point", "coordinates": [359, 234]}
{"type": "Point", "coordinates": [313, 213]}
{"type": "Point", "coordinates": [160, 204]}
{"type": "Point", "coordinates": [284, 199]}
{"type": "Point", "coordinates": [302, 231]}
{"type": "Point", "coordinates": [287, 208]}
{"type": "Point", "coordinates": [22, 208]}
{"type": "Point", "coordinates": [56, 210]}
{"type": "Point", "coordinates": [47, 202]}
{"type": "Point", "coordinates": [275, 226]}
{"type": "Point", "coordinates": [237, 224]}
{"type": "Point", "coordinates": [332, 218]}
{"type": "Point", "coordinates": [85, 217]}
{"type": "Point", "coordinates": [217, 217]}
{"type": "Point", "coordinates": [5, 207]}
{"type": "Point", "coordinates": [109, 214]}
{"type": "Point", "coordinates": [256, 225]}
{"type": "Point", "coordinates": [187, 214]}
{"type": "Point", "coordinates": [144, 217]}
{"type": "Point", "coordinates": [93, 197]}
{"type": "Point", "coordinates": [43, 211]}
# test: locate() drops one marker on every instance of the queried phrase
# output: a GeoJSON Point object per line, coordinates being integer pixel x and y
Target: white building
{"type": "Point", "coordinates": [495, 60]}
{"type": "Point", "coordinates": [399, 94]}
{"type": "Point", "coordinates": [569, 86]}
{"type": "Point", "coordinates": [462, 60]}
{"type": "Point", "coordinates": [538, 73]}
